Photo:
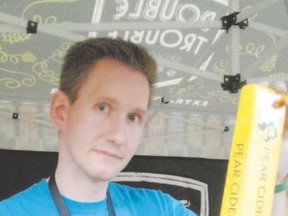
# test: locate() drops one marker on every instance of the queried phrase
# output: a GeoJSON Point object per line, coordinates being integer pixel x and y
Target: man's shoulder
{"type": "Point", "coordinates": [28, 197]}
{"type": "Point", "coordinates": [31, 191]}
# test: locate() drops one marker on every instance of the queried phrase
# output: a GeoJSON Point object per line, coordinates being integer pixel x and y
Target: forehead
{"type": "Point", "coordinates": [112, 78]}
{"type": "Point", "coordinates": [107, 69]}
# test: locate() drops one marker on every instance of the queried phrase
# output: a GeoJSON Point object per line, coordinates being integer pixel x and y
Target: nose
{"type": "Point", "coordinates": [116, 131]}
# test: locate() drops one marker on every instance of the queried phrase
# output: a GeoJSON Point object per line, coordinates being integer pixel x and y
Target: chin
{"type": "Point", "coordinates": [104, 174]}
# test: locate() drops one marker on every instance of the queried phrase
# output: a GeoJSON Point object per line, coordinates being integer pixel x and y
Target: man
{"type": "Point", "coordinates": [99, 112]}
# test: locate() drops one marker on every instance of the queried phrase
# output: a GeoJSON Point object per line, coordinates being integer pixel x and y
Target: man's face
{"type": "Point", "coordinates": [101, 130]}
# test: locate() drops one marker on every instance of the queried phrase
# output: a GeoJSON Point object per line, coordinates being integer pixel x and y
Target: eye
{"type": "Point", "coordinates": [133, 117]}
{"type": "Point", "coordinates": [102, 107]}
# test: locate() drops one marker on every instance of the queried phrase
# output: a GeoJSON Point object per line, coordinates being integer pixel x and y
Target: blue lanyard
{"type": "Point", "coordinates": [61, 206]}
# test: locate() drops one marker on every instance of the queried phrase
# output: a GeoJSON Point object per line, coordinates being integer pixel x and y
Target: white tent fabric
{"type": "Point", "coordinates": [190, 115]}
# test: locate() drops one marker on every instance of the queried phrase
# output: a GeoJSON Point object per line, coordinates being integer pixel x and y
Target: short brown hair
{"type": "Point", "coordinates": [82, 56]}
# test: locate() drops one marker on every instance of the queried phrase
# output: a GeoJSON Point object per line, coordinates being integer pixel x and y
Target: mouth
{"type": "Point", "coordinates": [108, 154]}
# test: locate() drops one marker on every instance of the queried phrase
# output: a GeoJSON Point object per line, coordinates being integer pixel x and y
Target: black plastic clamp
{"type": "Point", "coordinates": [31, 27]}
{"type": "Point", "coordinates": [163, 101]}
{"type": "Point", "coordinates": [230, 20]}
{"type": "Point", "coordinates": [233, 83]}
{"type": "Point", "coordinates": [15, 116]}
{"type": "Point", "coordinates": [226, 129]}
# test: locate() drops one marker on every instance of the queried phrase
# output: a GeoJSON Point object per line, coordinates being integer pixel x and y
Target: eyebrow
{"type": "Point", "coordinates": [141, 111]}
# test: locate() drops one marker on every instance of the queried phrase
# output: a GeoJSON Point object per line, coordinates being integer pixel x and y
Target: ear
{"type": "Point", "coordinates": [59, 106]}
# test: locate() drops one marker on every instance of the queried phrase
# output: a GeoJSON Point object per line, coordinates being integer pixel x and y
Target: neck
{"type": "Point", "coordinates": [79, 187]}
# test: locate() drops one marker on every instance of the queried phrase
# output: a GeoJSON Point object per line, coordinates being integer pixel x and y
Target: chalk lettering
{"type": "Point", "coordinates": [168, 57]}
{"type": "Point", "coordinates": [171, 38]}
{"type": "Point", "coordinates": [165, 10]}
{"type": "Point", "coordinates": [182, 101]}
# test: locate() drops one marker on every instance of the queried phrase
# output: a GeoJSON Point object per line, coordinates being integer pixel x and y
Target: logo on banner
{"type": "Point", "coordinates": [186, 187]}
